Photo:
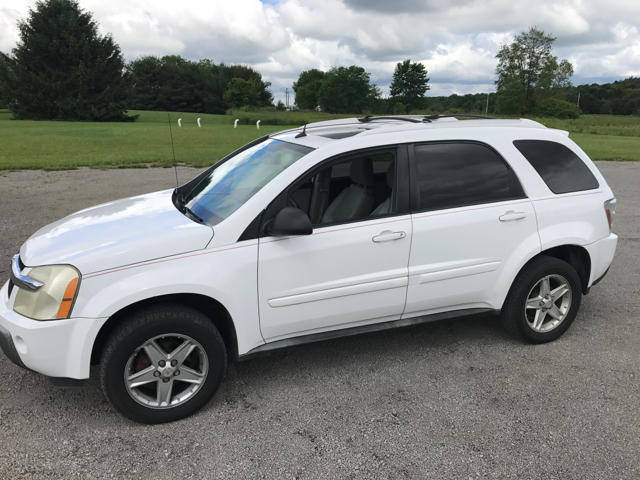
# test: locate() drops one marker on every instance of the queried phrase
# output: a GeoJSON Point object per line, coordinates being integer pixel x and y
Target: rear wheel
{"type": "Point", "coordinates": [162, 364]}
{"type": "Point", "coordinates": [543, 301]}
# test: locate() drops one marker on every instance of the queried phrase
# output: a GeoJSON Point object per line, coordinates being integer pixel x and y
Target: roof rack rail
{"type": "Point", "coordinates": [455, 115]}
{"type": "Point", "coordinates": [370, 118]}
{"type": "Point", "coordinates": [423, 119]}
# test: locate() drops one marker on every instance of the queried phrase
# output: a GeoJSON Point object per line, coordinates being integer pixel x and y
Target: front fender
{"type": "Point", "coordinates": [225, 274]}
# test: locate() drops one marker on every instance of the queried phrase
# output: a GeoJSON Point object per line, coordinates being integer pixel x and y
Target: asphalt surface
{"type": "Point", "coordinates": [452, 400]}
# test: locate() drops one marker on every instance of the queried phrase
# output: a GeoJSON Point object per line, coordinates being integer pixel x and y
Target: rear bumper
{"type": "Point", "coordinates": [601, 254]}
{"type": "Point", "coordinates": [56, 348]}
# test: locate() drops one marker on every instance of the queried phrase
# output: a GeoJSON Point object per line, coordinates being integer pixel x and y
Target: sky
{"type": "Point", "coordinates": [457, 40]}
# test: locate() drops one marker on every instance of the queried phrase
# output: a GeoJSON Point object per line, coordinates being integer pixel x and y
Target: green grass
{"type": "Point", "coordinates": [608, 147]}
{"type": "Point", "coordinates": [624, 126]}
{"type": "Point", "coordinates": [67, 145]}
{"type": "Point", "coordinates": [147, 142]}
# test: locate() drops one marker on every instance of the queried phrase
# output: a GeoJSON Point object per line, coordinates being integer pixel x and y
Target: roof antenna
{"type": "Point", "coordinates": [303, 133]}
{"type": "Point", "coordinates": [175, 168]}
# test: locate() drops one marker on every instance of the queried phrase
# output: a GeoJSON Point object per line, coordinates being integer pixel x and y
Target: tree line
{"type": "Point", "coordinates": [63, 69]}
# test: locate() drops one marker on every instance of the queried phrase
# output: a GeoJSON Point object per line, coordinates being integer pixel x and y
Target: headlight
{"type": "Point", "coordinates": [55, 298]}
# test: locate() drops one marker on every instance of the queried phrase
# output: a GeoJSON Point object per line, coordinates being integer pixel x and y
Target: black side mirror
{"type": "Point", "coordinates": [290, 221]}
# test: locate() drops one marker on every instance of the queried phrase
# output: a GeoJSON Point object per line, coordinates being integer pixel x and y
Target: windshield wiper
{"type": "Point", "coordinates": [183, 207]}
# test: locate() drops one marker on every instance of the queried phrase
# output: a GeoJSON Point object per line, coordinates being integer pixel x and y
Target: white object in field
{"type": "Point", "coordinates": [235, 123]}
{"type": "Point", "coordinates": [179, 122]}
{"type": "Point", "coordinates": [258, 124]}
{"type": "Point", "coordinates": [199, 123]}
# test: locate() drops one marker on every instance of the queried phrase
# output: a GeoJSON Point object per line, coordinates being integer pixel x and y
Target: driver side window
{"type": "Point", "coordinates": [350, 189]}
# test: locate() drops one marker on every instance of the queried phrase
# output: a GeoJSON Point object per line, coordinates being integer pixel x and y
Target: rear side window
{"type": "Point", "coordinates": [561, 169]}
{"type": "Point", "coordinates": [458, 174]}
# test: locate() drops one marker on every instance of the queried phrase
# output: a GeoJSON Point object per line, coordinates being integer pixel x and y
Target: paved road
{"type": "Point", "coordinates": [455, 400]}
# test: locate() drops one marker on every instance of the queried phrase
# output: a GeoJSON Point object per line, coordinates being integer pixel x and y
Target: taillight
{"type": "Point", "coordinates": [610, 209]}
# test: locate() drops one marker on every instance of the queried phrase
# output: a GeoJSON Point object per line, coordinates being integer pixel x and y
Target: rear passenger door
{"type": "Point", "coordinates": [472, 225]}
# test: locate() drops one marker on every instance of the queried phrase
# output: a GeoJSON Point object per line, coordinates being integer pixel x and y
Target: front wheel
{"type": "Point", "coordinates": [543, 301]}
{"type": "Point", "coordinates": [162, 364]}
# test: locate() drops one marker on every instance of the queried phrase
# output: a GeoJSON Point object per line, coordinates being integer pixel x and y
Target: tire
{"type": "Point", "coordinates": [532, 311]}
{"type": "Point", "coordinates": [162, 364]}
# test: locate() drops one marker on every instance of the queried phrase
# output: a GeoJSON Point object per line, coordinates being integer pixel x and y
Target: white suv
{"type": "Point", "coordinates": [337, 228]}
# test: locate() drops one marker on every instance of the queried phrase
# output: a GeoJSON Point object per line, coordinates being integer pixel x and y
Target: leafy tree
{"type": "Point", "coordinates": [557, 108]}
{"type": "Point", "coordinates": [399, 109]}
{"type": "Point", "coordinates": [177, 84]}
{"type": "Point", "coordinates": [528, 71]}
{"type": "Point", "coordinates": [243, 93]}
{"type": "Point", "coordinates": [347, 90]}
{"type": "Point", "coordinates": [247, 73]}
{"type": "Point", "coordinates": [307, 89]}
{"type": "Point", "coordinates": [5, 64]}
{"type": "Point", "coordinates": [63, 69]}
{"type": "Point", "coordinates": [410, 84]}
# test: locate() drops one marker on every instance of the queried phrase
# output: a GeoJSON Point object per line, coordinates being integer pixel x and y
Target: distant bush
{"type": "Point", "coordinates": [556, 108]}
{"type": "Point", "coordinates": [399, 109]}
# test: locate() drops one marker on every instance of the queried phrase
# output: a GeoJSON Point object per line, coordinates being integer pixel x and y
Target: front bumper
{"type": "Point", "coordinates": [56, 348]}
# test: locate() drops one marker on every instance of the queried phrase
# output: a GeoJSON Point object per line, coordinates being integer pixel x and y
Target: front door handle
{"type": "Point", "coordinates": [511, 215]}
{"type": "Point", "coordinates": [388, 236]}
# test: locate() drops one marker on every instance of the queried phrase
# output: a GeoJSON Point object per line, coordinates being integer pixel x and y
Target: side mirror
{"type": "Point", "coordinates": [290, 221]}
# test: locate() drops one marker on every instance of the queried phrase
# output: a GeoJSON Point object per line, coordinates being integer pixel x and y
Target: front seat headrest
{"type": "Point", "coordinates": [362, 172]}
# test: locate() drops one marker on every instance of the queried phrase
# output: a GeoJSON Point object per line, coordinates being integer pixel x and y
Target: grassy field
{"type": "Point", "coordinates": [147, 142]}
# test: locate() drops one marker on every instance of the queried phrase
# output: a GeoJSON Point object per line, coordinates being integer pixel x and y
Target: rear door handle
{"type": "Point", "coordinates": [388, 236]}
{"type": "Point", "coordinates": [511, 215]}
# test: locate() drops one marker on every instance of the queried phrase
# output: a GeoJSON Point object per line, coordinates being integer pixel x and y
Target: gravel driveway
{"type": "Point", "coordinates": [456, 399]}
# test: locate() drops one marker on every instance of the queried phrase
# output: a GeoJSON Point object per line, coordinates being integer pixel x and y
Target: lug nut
{"type": "Point", "coordinates": [156, 374]}
{"type": "Point", "coordinates": [176, 373]}
{"type": "Point", "coordinates": [162, 363]}
{"type": "Point", "coordinates": [165, 380]}
{"type": "Point", "coordinates": [174, 363]}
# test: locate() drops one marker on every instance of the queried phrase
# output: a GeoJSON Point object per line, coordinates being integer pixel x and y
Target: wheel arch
{"type": "Point", "coordinates": [576, 256]}
{"type": "Point", "coordinates": [212, 309]}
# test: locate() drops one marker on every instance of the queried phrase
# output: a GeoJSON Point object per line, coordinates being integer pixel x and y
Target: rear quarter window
{"type": "Point", "coordinates": [456, 174]}
{"type": "Point", "coordinates": [560, 168]}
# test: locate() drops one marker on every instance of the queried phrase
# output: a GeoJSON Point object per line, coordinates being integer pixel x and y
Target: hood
{"type": "Point", "coordinates": [131, 230]}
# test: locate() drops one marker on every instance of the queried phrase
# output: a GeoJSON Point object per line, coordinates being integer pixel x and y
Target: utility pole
{"type": "Point", "coordinates": [486, 111]}
{"type": "Point", "coordinates": [578, 104]}
{"type": "Point", "coordinates": [286, 94]}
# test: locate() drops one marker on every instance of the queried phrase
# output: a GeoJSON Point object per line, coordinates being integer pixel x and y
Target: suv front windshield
{"type": "Point", "coordinates": [235, 181]}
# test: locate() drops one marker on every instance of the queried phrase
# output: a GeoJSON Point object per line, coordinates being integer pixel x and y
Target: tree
{"type": "Point", "coordinates": [177, 84]}
{"type": "Point", "coordinates": [557, 108]}
{"type": "Point", "coordinates": [347, 90]}
{"type": "Point", "coordinates": [243, 93]}
{"type": "Point", "coordinates": [410, 84]}
{"type": "Point", "coordinates": [307, 89]}
{"type": "Point", "coordinates": [528, 72]}
{"type": "Point", "coordinates": [247, 73]}
{"type": "Point", "coordinates": [5, 64]}
{"type": "Point", "coordinates": [63, 69]}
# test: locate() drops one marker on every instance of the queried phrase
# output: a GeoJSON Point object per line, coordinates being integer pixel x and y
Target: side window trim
{"type": "Point", "coordinates": [514, 181]}
{"type": "Point", "coordinates": [400, 198]}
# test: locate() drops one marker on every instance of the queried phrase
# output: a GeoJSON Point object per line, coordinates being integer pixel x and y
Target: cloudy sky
{"type": "Point", "coordinates": [457, 40]}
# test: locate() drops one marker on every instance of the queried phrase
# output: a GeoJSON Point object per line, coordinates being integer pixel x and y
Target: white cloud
{"type": "Point", "coordinates": [456, 39]}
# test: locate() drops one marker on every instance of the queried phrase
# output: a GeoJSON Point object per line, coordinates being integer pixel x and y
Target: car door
{"type": "Point", "coordinates": [472, 226]}
{"type": "Point", "coordinates": [349, 271]}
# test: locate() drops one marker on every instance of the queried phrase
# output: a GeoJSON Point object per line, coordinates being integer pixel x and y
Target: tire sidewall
{"type": "Point", "coordinates": [140, 330]}
{"type": "Point", "coordinates": [530, 277]}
